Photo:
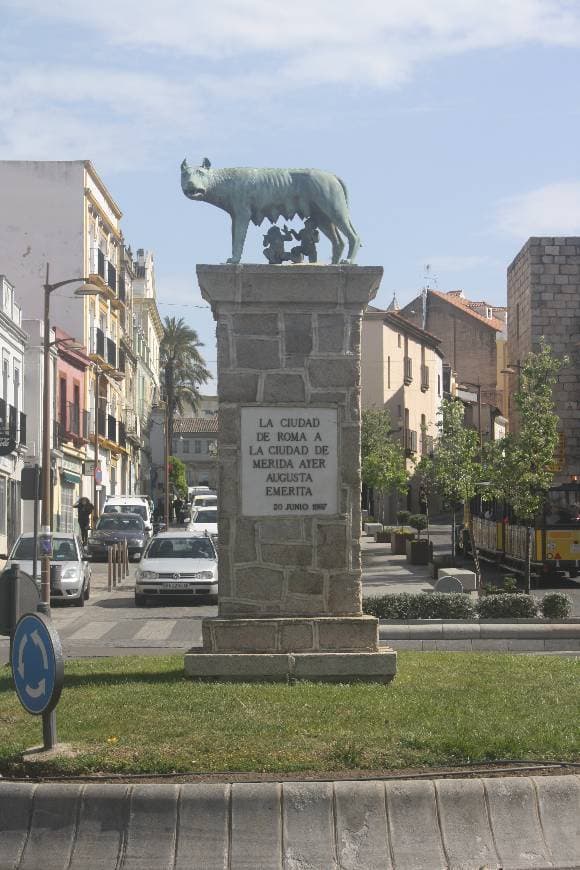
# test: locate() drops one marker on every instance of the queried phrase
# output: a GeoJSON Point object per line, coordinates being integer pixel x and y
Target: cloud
{"type": "Point", "coordinates": [547, 211]}
{"type": "Point", "coordinates": [320, 40]}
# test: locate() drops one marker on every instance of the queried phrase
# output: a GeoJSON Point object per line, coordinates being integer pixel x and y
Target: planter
{"type": "Point", "coordinates": [418, 552]}
{"type": "Point", "coordinates": [398, 544]}
{"type": "Point", "coordinates": [383, 538]}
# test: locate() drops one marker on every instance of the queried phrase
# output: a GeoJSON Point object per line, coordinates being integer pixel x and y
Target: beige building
{"type": "Point", "coordinates": [402, 371]}
{"type": "Point", "coordinates": [60, 213]}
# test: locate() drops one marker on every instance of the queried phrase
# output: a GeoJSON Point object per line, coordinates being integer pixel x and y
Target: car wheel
{"type": "Point", "coordinates": [87, 591]}
{"type": "Point", "coordinates": [140, 600]}
{"type": "Point", "coordinates": [80, 601]}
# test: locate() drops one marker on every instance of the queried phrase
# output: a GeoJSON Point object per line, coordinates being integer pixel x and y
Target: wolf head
{"type": "Point", "coordinates": [194, 182]}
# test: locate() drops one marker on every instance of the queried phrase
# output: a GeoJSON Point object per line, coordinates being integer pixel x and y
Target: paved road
{"type": "Point", "coordinates": [110, 624]}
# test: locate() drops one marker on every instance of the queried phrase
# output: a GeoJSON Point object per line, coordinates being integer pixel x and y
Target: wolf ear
{"type": "Point", "coordinates": [205, 163]}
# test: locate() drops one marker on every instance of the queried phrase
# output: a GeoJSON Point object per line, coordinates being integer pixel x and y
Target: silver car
{"type": "Point", "coordinates": [180, 564]}
{"type": "Point", "coordinates": [70, 572]}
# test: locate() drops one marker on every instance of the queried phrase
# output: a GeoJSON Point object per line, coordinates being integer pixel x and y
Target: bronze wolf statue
{"type": "Point", "coordinates": [254, 194]}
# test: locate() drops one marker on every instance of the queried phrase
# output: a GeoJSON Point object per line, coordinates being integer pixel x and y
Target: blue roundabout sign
{"type": "Point", "coordinates": [37, 663]}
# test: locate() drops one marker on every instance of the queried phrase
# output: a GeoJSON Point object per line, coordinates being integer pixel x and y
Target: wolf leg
{"type": "Point", "coordinates": [329, 229]}
{"type": "Point", "coordinates": [240, 223]}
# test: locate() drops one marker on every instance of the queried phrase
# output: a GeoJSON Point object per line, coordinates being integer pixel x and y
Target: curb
{"type": "Point", "coordinates": [494, 823]}
{"type": "Point", "coordinates": [479, 636]}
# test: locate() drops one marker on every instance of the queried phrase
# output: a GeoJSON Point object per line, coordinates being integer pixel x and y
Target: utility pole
{"type": "Point", "coordinates": [167, 457]}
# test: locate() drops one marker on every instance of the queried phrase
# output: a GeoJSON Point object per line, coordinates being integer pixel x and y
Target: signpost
{"type": "Point", "coordinates": [18, 595]}
{"type": "Point", "coordinates": [38, 670]}
{"type": "Point", "coordinates": [98, 475]}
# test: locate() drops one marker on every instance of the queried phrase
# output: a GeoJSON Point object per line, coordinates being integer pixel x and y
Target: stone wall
{"type": "Point", "coordinates": [544, 300]}
{"type": "Point", "coordinates": [280, 345]}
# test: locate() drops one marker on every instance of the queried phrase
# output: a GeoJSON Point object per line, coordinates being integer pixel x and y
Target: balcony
{"type": "Point", "coordinates": [111, 428]}
{"type": "Point", "coordinates": [102, 423]}
{"type": "Point", "coordinates": [424, 378]}
{"type": "Point", "coordinates": [122, 435]}
{"type": "Point", "coordinates": [408, 370]}
{"type": "Point", "coordinates": [101, 264]}
{"type": "Point", "coordinates": [22, 436]}
{"type": "Point", "coordinates": [13, 423]}
{"type": "Point", "coordinates": [410, 441]}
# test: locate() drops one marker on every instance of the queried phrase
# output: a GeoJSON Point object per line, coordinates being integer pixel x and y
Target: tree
{"type": "Point", "coordinates": [383, 458]}
{"type": "Point", "coordinates": [456, 467]}
{"type": "Point", "coordinates": [178, 476]}
{"type": "Point", "coordinates": [183, 367]}
{"type": "Point", "coordinates": [521, 468]}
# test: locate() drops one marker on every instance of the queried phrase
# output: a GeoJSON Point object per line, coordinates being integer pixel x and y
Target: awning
{"type": "Point", "coordinates": [70, 477]}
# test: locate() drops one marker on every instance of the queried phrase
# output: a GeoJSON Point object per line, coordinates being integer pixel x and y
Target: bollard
{"type": "Point", "coordinates": [109, 569]}
{"type": "Point", "coordinates": [114, 548]}
{"type": "Point", "coordinates": [126, 559]}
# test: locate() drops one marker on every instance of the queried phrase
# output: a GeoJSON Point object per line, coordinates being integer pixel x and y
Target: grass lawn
{"type": "Point", "coordinates": [139, 714]}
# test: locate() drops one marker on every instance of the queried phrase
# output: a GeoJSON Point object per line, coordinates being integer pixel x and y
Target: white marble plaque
{"type": "Point", "coordinates": [289, 461]}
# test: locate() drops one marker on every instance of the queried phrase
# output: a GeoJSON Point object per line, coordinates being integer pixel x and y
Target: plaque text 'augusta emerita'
{"type": "Point", "coordinates": [289, 461]}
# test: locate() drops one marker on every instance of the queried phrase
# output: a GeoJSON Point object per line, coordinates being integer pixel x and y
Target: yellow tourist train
{"type": "Point", "coordinates": [556, 539]}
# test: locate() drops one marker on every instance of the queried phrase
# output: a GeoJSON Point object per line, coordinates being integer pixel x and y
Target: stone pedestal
{"type": "Point", "coordinates": [289, 515]}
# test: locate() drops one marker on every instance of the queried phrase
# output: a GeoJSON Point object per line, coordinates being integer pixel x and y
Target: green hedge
{"type": "Point", "coordinates": [508, 606]}
{"type": "Point", "coordinates": [424, 605]}
{"type": "Point", "coordinates": [556, 605]}
{"type": "Point", "coordinates": [457, 605]}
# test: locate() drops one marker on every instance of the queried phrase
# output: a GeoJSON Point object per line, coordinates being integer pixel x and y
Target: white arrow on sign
{"type": "Point", "coordinates": [38, 691]}
{"type": "Point", "coordinates": [36, 639]}
{"type": "Point", "coordinates": [23, 641]}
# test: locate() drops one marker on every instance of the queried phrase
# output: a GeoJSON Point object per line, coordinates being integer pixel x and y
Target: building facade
{"type": "Point", "coordinates": [63, 222]}
{"type": "Point", "coordinates": [467, 332]}
{"type": "Point", "coordinates": [402, 371]}
{"type": "Point", "coordinates": [13, 340]}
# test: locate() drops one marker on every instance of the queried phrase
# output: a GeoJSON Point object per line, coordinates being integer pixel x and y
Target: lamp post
{"type": "Point", "coordinates": [46, 515]}
{"type": "Point", "coordinates": [167, 458]}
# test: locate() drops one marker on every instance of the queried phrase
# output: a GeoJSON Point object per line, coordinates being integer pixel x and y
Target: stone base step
{"type": "Point", "coordinates": [337, 667]}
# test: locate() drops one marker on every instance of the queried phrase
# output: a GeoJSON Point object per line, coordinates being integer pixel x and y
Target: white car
{"type": "Point", "coordinates": [71, 581]}
{"type": "Point", "coordinates": [204, 520]}
{"type": "Point", "coordinates": [177, 564]}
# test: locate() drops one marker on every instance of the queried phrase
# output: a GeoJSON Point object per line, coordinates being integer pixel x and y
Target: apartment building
{"type": "Point", "coordinates": [13, 433]}
{"type": "Point", "coordinates": [402, 371]}
{"type": "Point", "coordinates": [468, 334]}
{"type": "Point", "coordinates": [62, 220]}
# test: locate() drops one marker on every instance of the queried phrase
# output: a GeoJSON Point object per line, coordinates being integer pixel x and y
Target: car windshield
{"type": "Point", "coordinates": [180, 548]}
{"type": "Point", "coordinates": [139, 509]}
{"type": "Point", "coordinates": [205, 517]}
{"type": "Point", "coordinates": [63, 550]}
{"type": "Point", "coordinates": [205, 500]}
{"type": "Point", "coordinates": [119, 523]}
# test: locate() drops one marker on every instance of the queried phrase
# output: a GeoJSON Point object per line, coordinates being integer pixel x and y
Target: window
{"type": "Point", "coordinates": [197, 446]}
{"type": "Point", "coordinates": [398, 339]}
{"type": "Point", "coordinates": [62, 402]}
{"type": "Point", "coordinates": [66, 511]}
{"type": "Point", "coordinates": [185, 445]}
{"type": "Point", "coordinates": [16, 388]}
{"type": "Point", "coordinates": [2, 505]}
{"type": "Point", "coordinates": [5, 379]}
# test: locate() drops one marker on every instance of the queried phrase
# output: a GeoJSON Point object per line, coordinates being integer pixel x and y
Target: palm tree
{"type": "Point", "coordinates": [184, 368]}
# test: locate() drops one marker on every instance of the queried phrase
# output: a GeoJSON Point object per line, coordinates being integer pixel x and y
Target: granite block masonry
{"type": "Point", "coordinates": [289, 475]}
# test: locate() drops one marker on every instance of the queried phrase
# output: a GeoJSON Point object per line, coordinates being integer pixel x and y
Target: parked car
{"type": "Point", "coordinates": [131, 504]}
{"type": "Point", "coordinates": [72, 581]}
{"type": "Point", "coordinates": [180, 564]}
{"type": "Point", "coordinates": [208, 499]}
{"type": "Point", "coordinates": [113, 528]}
{"type": "Point", "coordinates": [204, 520]}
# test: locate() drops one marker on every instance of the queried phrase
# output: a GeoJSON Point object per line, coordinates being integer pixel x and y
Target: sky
{"type": "Point", "coordinates": [454, 123]}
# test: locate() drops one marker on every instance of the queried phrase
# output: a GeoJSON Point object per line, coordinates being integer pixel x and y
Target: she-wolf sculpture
{"type": "Point", "coordinates": [254, 194]}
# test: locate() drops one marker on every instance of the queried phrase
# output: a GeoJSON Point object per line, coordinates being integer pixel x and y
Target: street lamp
{"type": "Point", "coordinates": [46, 517]}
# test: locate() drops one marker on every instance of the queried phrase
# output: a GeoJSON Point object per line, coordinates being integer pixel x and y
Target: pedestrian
{"type": "Point", "coordinates": [178, 505]}
{"type": "Point", "coordinates": [84, 513]}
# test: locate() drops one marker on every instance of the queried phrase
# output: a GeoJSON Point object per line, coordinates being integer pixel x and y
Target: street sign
{"type": "Point", "coordinates": [7, 442]}
{"type": "Point", "coordinates": [18, 595]}
{"type": "Point", "coordinates": [37, 664]}
{"type": "Point", "coordinates": [89, 466]}
{"type": "Point", "coordinates": [98, 476]}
